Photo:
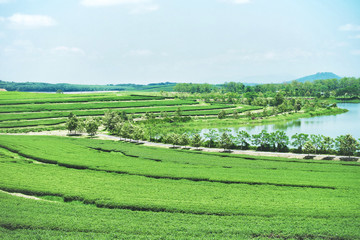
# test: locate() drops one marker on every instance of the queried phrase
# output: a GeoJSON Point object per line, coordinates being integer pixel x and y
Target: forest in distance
{"type": "Point", "coordinates": [347, 86]}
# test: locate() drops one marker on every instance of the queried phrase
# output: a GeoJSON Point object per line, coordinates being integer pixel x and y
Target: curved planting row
{"type": "Point", "coordinates": [172, 164]}
{"type": "Point", "coordinates": [93, 98]}
{"type": "Point", "coordinates": [78, 106]}
{"type": "Point", "coordinates": [106, 189]}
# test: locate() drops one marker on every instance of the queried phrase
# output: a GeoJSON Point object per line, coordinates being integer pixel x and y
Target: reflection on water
{"type": "Point", "coordinates": [332, 126]}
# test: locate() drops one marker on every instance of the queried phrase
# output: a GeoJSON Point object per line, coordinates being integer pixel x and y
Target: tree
{"type": "Point", "coordinates": [91, 126]}
{"type": "Point", "coordinates": [127, 130]}
{"type": "Point", "coordinates": [72, 123]}
{"type": "Point", "coordinates": [81, 125]}
{"type": "Point", "coordinates": [297, 106]}
{"type": "Point", "coordinates": [327, 144]}
{"type": "Point", "coordinates": [118, 128]}
{"type": "Point", "coordinates": [184, 139]}
{"type": "Point", "coordinates": [299, 140]}
{"type": "Point", "coordinates": [110, 119]}
{"type": "Point", "coordinates": [235, 114]}
{"type": "Point", "coordinates": [256, 139]}
{"type": "Point", "coordinates": [123, 116]}
{"type": "Point", "coordinates": [174, 139]}
{"type": "Point", "coordinates": [196, 140]}
{"type": "Point", "coordinates": [309, 148]}
{"type": "Point", "coordinates": [149, 116]}
{"type": "Point", "coordinates": [222, 114]}
{"type": "Point", "coordinates": [347, 145]}
{"type": "Point", "coordinates": [131, 117]}
{"type": "Point", "coordinates": [225, 141]}
{"type": "Point", "coordinates": [279, 99]}
{"type": "Point", "coordinates": [59, 91]}
{"type": "Point", "coordinates": [316, 141]}
{"type": "Point", "coordinates": [281, 140]}
{"type": "Point", "coordinates": [264, 139]}
{"type": "Point", "coordinates": [242, 137]}
{"type": "Point", "coordinates": [138, 133]}
{"type": "Point", "coordinates": [178, 112]}
{"type": "Point", "coordinates": [149, 130]}
{"type": "Point", "coordinates": [212, 135]}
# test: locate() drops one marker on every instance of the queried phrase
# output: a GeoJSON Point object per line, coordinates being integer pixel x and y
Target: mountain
{"type": "Point", "coordinates": [318, 76]}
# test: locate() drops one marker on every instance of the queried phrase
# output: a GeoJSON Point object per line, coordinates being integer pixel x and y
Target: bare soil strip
{"type": "Point", "coordinates": [25, 196]}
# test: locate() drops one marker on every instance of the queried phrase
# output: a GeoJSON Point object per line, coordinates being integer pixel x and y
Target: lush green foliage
{"type": "Point", "coordinates": [29, 219]}
{"type": "Point", "coordinates": [327, 87]}
{"type": "Point", "coordinates": [267, 195]}
{"type": "Point", "coordinates": [33, 123]}
{"type": "Point", "coordinates": [72, 99]}
{"type": "Point", "coordinates": [80, 106]}
{"type": "Point", "coordinates": [53, 109]}
{"type": "Point", "coordinates": [187, 110]}
{"type": "Point", "coordinates": [48, 87]}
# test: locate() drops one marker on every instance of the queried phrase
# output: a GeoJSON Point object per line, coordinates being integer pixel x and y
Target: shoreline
{"type": "Point", "coordinates": [218, 123]}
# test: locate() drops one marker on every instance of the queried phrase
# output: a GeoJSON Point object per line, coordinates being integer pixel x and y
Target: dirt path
{"type": "Point", "coordinates": [26, 196]}
{"type": "Point", "coordinates": [204, 149]}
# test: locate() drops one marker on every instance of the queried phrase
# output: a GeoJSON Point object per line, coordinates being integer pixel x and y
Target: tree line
{"type": "Point", "coordinates": [78, 125]}
{"type": "Point", "coordinates": [120, 124]}
{"type": "Point", "coordinates": [320, 88]}
{"type": "Point", "coordinates": [65, 87]}
{"type": "Point", "coordinates": [276, 141]}
{"type": "Point", "coordinates": [117, 124]}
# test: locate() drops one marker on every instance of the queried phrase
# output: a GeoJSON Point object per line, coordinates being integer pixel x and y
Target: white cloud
{"type": "Point", "coordinates": [236, 1]}
{"type": "Point", "coordinates": [139, 52]}
{"type": "Point", "coordinates": [26, 47]}
{"type": "Point", "coordinates": [99, 3]}
{"type": "Point", "coordinates": [23, 47]}
{"type": "Point", "coordinates": [355, 52]}
{"type": "Point", "coordinates": [19, 20]}
{"type": "Point", "coordinates": [349, 27]}
{"type": "Point", "coordinates": [355, 37]}
{"type": "Point", "coordinates": [2, 19]}
{"type": "Point", "coordinates": [136, 6]}
{"type": "Point", "coordinates": [144, 9]}
{"type": "Point", "coordinates": [62, 50]}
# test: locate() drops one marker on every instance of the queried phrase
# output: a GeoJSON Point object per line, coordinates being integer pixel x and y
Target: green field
{"type": "Point", "coordinates": [249, 196]}
{"type": "Point", "coordinates": [30, 111]}
{"type": "Point", "coordinates": [93, 98]}
{"type": "Point", "coordinates": [105, 189]}
{"type": "Point", "coordinates": [91, 105]}
{"type": "Point", "coordinates": [191, 109]}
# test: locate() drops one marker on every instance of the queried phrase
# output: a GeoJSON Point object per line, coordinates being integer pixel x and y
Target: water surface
{"type": "Point", "coordinates": [332, 126]}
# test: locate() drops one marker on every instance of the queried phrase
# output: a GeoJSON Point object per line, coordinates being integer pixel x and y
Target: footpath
{"type": "Point", "coordinates": [204, 149]}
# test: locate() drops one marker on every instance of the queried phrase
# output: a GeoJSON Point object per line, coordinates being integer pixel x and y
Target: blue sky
{"type": "Point", "coordinates": [147, 41]}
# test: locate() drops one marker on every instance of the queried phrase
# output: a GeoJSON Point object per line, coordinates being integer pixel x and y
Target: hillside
{"type": "Point", "coordinates": [318, 76]}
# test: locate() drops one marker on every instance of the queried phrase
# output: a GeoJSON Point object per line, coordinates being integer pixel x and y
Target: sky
{"type": "Point", "coordinates": [198, 41]}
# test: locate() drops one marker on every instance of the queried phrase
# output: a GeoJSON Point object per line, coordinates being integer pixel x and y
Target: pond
{"type": "Point", "coordinates": [332, 126]}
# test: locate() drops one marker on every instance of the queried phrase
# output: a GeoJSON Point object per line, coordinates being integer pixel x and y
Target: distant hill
{"type": "Point", "coordinates": [318, 76]}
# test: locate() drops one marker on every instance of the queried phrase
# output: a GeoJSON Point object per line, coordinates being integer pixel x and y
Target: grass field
{"type": "Point", "coordinates": [169, 109]}
{"type": "Point", "coordinates": [189, 194]}
{"type": "Point", "coordinates": [27, 111]}
{"type": "Point", "coordinates": [91, 105]}
{"type": "Point", "coordinates": [245, 121]}
{"type": "Point", "coordinates": [109, 189]}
